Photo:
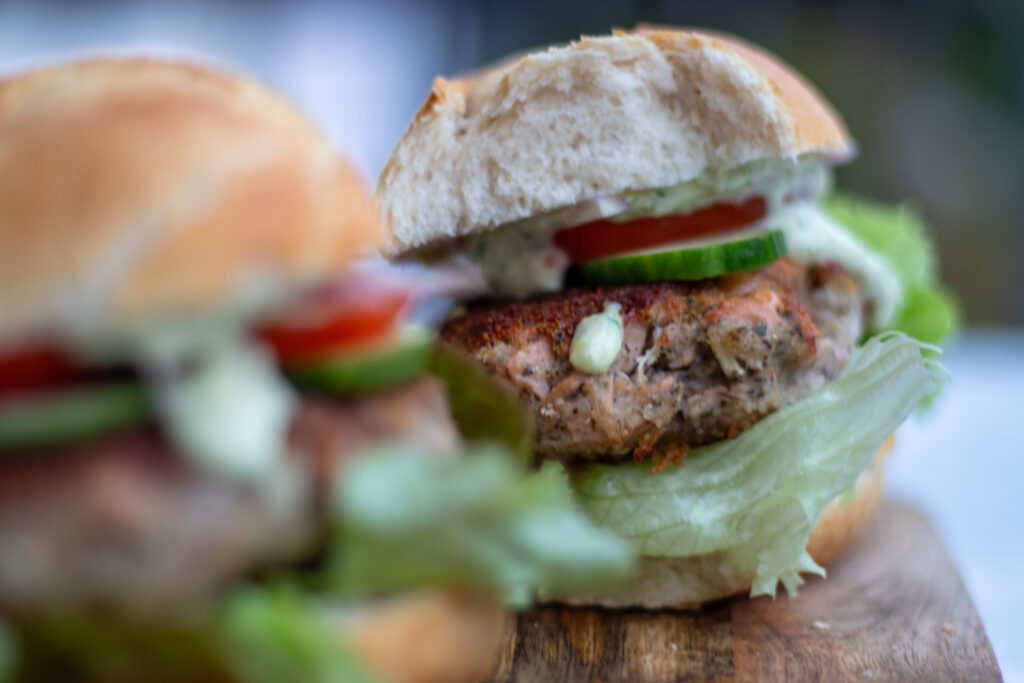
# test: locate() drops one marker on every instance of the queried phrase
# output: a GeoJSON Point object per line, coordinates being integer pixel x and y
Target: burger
{"type": "Point", "coordinates": [717, 345]}
{"type": "Point", "coordinates": [221, 453]}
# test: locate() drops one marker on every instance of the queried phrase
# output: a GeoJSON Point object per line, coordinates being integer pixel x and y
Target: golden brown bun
{"type": "Point", "coordinates": [839, 524]}
{"type": "Point", "coordinates": [607, 114]}
{"type": "Point", "coordinates": [688, 582]}
{"type": "Point", "coordinates": [430, 637]}
{"type": "Point", "coordinates": [136, 189]}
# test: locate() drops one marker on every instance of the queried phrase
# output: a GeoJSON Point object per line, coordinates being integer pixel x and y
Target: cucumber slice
{"type": "Point", "coordinates": [68, 415]}
{"type": "Point", "coordinates": [368, 370]}
{"type": "Point", "coordinates": [695, 261]}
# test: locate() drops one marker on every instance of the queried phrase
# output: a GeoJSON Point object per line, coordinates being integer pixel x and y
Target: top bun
{"type": "Point", "coordinates": [630, 111]}
{"type": "Point", "coordinates": [136, 189]}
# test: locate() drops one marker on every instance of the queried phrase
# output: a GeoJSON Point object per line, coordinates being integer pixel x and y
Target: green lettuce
{"type": "Point", "coordinates": [479, 405]}
{"type": "Point", "coordinates": [254, 634]}
{"type": "Point", "coordinates": [276, 633]}
{"type": "Point", "coordinates": [756, 497]}
{"type": "Point", "coordinates": [406, 521]}
{"type": "Point", "coordinates": [897, 233]}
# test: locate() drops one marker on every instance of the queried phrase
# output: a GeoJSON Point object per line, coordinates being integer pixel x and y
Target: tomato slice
{"type": "Point", "coordinates": [35, 367]}
{"type": "Point", "coordinates": [331, 320]}
{"type": "Point", "coordinates": [604, 238]}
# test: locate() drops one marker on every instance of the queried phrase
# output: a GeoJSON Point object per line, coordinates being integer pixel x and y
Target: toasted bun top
{"type": "Point", "coordinates": [135, 189]}
{"type": "Point", "coordinates": [630, 111]}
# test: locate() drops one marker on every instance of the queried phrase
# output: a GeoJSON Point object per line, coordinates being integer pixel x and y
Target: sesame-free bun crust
{"type": "Point", "coordinates": [430, 637]}
{"type": "Point", "coordinates": [689, 582]}
{"type": "Point", "coordinates": [631, 111]}
{"type": "Point", "coordinates": [136, 189]}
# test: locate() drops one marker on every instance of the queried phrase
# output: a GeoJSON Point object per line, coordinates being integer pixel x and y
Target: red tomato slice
{"type": "Point", "coordinates": [35, 367]}
{"type": "Point", "coordinates": [334, 319]}
{"type": "Point", "coordinates": [603, 238]}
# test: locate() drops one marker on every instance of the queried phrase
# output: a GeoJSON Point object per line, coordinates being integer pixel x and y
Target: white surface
{"type": "Point", "coordinates": [963, 464]}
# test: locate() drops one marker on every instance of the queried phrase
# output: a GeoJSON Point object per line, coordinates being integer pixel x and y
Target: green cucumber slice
{"type": "Point", "coordinates": [368, 370]}
{"type": "Point", "coordinates": [695, 261]}
{"type": "Point", "coordinates": [68, 415]}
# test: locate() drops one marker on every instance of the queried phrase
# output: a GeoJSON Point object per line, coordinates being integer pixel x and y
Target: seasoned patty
{"type": "Point", "coordinates": [126, 525]}
{"type": "Point", "coordinates": [700, 362]}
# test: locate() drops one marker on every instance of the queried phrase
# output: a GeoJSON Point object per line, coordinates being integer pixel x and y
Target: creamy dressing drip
{"type": "Point", "coordinates": [222, 400]}
{"type": "Point", "coordinates": [520, 260]}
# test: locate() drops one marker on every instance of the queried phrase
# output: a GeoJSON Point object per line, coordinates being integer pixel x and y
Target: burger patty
{"type": "Point", "coordinates": [700, 361]}
{"type": "Point", "coordinates": [126, 525]}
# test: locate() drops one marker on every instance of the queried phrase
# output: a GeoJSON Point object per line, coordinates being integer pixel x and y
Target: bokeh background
{"type": "Point", "coordinates": [933, 91]}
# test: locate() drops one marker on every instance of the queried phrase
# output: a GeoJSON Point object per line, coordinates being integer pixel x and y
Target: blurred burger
{"type": "Point", "coordinates": [219, 449]}
{"type": "Point", "coordinates": [666, 279]}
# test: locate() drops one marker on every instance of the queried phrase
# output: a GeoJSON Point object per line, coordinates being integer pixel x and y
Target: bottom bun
{"type": "Point", "coordinates": [429, 637]}
{"type": "Point", "coordinates": [839, 524]}
{"type": "Point", "coordinates": [689, 582]}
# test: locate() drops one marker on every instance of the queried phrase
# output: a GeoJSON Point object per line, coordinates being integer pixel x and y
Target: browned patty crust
{"type": "Point", "coordinates": [700, 361]}
{"type": "Point", "coordinates": [125, 525]}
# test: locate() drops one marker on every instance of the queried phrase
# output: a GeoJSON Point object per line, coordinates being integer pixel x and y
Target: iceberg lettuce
{"type": "Point", "coordinates": [758, 496]}
{"type": "Point", "coordinates": [407, 521]}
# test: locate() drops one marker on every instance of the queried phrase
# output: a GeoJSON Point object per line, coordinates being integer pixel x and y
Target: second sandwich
{"type": "Point", "coordinates": [220, 454]}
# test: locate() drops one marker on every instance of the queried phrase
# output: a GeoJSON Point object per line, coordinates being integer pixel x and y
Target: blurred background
{"type": "Point", "coordinates": [932, 91]}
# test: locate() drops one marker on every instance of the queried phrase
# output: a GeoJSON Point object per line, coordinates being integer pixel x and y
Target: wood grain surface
{"type": "Point", "coordinates": [892, 609]}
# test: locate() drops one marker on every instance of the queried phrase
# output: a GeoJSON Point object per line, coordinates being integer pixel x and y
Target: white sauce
{"type": "Point", "coordinates": [597, 340]}
{"type": "Point", "coordinates": [812, 235]}
{"type": "Point", "coordinates": [777, 180]}
{"type": "Point", "coordinates": [222, 400]}
{"type": "Point", "coordinates": [518, 262]}
{"type": "Point", "coordinates": [519, 259]}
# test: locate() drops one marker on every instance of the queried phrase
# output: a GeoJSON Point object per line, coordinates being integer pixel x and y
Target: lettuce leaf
{"type": "Point", "coordinates": [254, 634]}
{"type": "Point", "coordinates": [480, 406]}
{"type": "Point", "coordinates": [756, 497]}
{"type": "Point", "coordinates": [897, 233]}
{"type": "Point", "coordinates": [275, 633]}
{"type": "Point", "coordinates": [406, 521]}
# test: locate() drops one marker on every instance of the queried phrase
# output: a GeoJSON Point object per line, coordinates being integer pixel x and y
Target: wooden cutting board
{"type": "Point", "coordinates": [892, 608]}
